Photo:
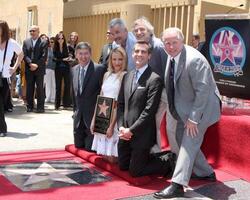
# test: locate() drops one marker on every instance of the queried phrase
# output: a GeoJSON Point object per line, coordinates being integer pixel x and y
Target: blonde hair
{"type": "Point", "coordinates": [111, 70]}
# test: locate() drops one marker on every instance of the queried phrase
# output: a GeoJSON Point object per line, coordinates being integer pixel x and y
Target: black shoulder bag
{"type": "Point", "coordinates": [4, 56]}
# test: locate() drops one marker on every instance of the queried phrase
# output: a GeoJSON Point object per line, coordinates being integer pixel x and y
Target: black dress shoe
{"type": "Point", "coordinates": [172, 191]}
{"type": "Point", "coordinates": [40, 111]}
{"type": "Point", "coordinates": [211, 177]}
{"type": "Point", "coordinates": [170, 159]}
{"type": "Point", "coordinates": [2, 134]}
{"type": "Point", "coordinates": [29, 110]}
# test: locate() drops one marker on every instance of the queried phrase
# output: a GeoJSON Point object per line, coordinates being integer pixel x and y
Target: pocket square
{"type": "Point", "coordinates": [140, 87]}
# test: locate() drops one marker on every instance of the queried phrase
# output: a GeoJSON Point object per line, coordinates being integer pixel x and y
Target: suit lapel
{"type": "Point", "coordinates": [75, 79]}
{"type": "Point", "coordinates": [130, 82]}
{"type": "Point", "coordinates": [181, 64]}
{"type": "Point", "coordinates": [88, 75]}
{"type": "Point", "coordinates": [141, 81]}
{"type": "Point", "coordinates": [167, 74]}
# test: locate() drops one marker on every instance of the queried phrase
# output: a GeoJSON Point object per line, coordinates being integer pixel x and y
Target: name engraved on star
{"type": "Point", "coordinates": [103, 115]}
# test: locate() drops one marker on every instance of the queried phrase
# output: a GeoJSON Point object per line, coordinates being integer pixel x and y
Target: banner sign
{"type": "Point", "coordinates": [227, 50]}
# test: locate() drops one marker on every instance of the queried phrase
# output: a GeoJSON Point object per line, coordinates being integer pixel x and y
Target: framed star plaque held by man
{"type": "Point", "coordinates": [103, 114]}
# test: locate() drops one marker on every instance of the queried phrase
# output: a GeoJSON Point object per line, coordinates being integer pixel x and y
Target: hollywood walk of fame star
{"type": "Point", "coordinates": [103, 108]}
{"type": "Point", "coordinates": [227, 50]}
{"type": "Point", "coordinates": [45, 172]}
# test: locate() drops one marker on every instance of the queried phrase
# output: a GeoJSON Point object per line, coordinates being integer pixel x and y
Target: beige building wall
{"type": "Point", "coordinates": [90, 17]}
{"type": "Point", "coordinates": [48, 16]}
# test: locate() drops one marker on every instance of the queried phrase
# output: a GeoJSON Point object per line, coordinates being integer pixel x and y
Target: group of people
{"type": "Point", "coordinates": [48, 63]}
{"type": "Point", "coordinates": [146, 77]}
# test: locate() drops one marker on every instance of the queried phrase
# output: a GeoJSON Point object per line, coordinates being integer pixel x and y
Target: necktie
{"type": "Point", "coordinates": [134, 80]}
{"type": "Point", "coordinates": [171, 88]}
{"type": "Point", "coordinates": [81, 79]}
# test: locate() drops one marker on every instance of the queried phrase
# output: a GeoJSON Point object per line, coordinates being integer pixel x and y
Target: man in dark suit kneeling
{"type": "Point", "coordinates": [138, 101]}
{"type": "Point", "coordinates": [87, 80]}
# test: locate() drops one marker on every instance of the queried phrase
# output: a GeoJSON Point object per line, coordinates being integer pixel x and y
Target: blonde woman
{"type": "Point", "coordinates": [106, 145]}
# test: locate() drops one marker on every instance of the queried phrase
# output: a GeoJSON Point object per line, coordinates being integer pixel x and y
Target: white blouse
{"type": "Point", "coordinates": [13, 46]}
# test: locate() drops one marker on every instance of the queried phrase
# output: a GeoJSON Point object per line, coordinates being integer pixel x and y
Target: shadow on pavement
{"type": "Point", "coordinates": [20, 135]}
{"type": "Point", "coordinates": [19, 112]}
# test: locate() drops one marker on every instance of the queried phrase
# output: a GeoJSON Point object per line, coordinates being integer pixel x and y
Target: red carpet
{"type": "Point", "coordinates": [114, 189]}
{"type": "Point", "coordinates": [226, 145]}
{"type": "Point", "coordinates": [114, 169]}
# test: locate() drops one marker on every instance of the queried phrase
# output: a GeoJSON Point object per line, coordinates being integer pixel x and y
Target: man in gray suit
{"type": "Point", "coordinates": [194, 105]}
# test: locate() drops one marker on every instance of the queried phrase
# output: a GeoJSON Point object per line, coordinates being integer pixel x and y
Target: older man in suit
{"type": "Point", "coordinates": [194, 105]}
{"type": "Point", "coordinates": [87, 80]}
{"type": "Point", "coordinates": [138, 101]}
{"type": "Point", "coordinates": [35, 55]}
{"type": "Point", "coordinates": [123, 38]}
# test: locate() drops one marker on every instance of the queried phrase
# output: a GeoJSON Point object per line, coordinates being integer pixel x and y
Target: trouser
{"type": "Point", "coordinates": [190, 158]}
{"type": "Point", "coordinates": [50, 85]}
{"type": "Point", "coordinates": [3, 125]}
{"type": "Point", "coordinates": [7, 95]}
{"type": "Point", "coordinates": [158, 119]}
{"type": "Point", "coordinates": [32, 80]}
{"type": "Point", "coordinates": [82, 135]}
{"type": "Point", "coordinates": [62, 74]}
{"type": "Point", "coordinates": [138, 161]}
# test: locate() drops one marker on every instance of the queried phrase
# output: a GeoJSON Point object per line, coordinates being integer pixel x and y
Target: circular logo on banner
{"type": "Point", "coordinates": [228, 52]}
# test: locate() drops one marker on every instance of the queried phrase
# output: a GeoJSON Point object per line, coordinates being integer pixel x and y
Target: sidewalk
{"type": "Point", "coordinates": [29, 131]}
{"type": "Point", "coordinates": [54, 129]}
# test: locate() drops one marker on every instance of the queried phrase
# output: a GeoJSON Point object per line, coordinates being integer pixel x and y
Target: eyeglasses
{"type": "Point", "coordinates": [31, 31]}
{"type": "Point", "coordinates": [108, 33]}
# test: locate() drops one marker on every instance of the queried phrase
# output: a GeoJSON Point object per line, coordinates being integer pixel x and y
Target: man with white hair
{"type": "Point", "coordinates": [123, 38]}
{"type": "Point", "coordinates": [35, 55]}
{"type": "Point", "coordinates": [143, 30]}
{"type": "Point", "coordinates": [193, 106]}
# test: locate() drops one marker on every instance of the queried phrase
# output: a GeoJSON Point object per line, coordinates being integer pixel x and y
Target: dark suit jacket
{"type": "Point", "coordinates": [40, 51]}
{"type": "Point", "coordinates": [105, 54]}
{"type": "Point", "coordinates": [136, 109]}
{"type": "Point", "coordinates": [158, 58]}
{"type": "Point", "coordinates": [85, 103]}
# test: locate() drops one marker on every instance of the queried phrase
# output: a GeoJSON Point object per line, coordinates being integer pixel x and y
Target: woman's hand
{"type": "Point", "coordinates": [92, 125]}
{"type": "Point", "coordinates": [109, 132]}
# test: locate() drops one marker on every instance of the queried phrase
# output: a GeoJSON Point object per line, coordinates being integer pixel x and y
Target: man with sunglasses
{"type": "Point", "coordinates": [106, 49]}
{"type": "Point", "coordinates": [35, 55]}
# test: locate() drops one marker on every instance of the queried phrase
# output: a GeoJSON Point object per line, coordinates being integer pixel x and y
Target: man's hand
{"type": "Point", "coordinates": [192, 128]}
{"type": "Point", "coordinates": [33, 66]}
{"type": "Point", "coordinates": [125, 133]}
